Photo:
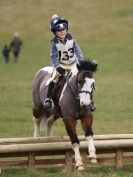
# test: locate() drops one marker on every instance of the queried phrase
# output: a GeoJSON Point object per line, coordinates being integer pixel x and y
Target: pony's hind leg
{"type": "Point", "coordinates": [87, 127]}
{"type": "Point", "coordinates": [49, 124]}
{"type": "Point", "coordinates": [41, 120]}
{"type": "Point", "coordinates": [37, 123]}
{"type": "Point", "coordinates": [37, 117]}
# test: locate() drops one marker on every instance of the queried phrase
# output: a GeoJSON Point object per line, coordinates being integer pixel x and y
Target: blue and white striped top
{"type": "Point", "coordinates": [65, 51]}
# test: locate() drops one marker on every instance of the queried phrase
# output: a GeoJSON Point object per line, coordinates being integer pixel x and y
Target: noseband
{"type": "Point", "coordinates": [85, 91]}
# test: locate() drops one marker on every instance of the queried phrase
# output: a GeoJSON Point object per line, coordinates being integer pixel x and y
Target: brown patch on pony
{"type": "Point", "coordinates": [87, 122]}
{"type": "Point", "coordinates": [70, 124]}
{"type": "Point", "coordinates": [80, 77]}
{"type": "Point", "coordinates": [37, 112]}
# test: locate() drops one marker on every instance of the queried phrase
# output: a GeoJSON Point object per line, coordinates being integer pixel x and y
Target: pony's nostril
{"type": "Point", "coordinates": [83, 105]}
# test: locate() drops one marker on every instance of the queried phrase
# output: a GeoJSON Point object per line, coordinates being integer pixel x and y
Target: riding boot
{"type": "Point", "coordinates": [48, 103]}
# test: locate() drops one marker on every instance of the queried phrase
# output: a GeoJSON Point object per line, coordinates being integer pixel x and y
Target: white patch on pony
{"type": "Point", "coordinates": [49, 70]}
{"type": "Point", "coordinates": [91, 147]}
{"type": "Point", "coordinates": [85, 98]}
{"type": "Point", "coordinates": [48, 81]}
{"type": "Point", "coordinates": [78, 158]}
{"type": "Point", "coordinates": [88, 84]}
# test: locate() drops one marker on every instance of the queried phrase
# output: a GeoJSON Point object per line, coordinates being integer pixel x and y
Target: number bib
{"type": "Point", "coordinates": [66, 53]}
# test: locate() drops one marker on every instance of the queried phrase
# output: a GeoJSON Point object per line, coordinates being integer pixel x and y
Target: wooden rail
{"type": "Point", "coordinates": [111, 150]}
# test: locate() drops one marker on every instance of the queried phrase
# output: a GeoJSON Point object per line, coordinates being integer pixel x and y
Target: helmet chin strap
{"type": "Point", "coordinates": [62, 40]}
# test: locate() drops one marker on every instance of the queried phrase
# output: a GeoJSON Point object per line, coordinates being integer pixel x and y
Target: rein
{"type": "Point", "coordinates": [72, 89]}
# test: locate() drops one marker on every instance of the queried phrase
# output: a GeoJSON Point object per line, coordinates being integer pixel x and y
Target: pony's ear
{"type": "Point", "coordinates": [95, 66]}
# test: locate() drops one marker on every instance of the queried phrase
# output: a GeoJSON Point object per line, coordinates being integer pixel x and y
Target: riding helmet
{"type": "Point", "coordinates": [58, 23]}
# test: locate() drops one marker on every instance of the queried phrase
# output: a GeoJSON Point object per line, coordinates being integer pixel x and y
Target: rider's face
{"type": "Point", "coordinates": [61, 34]}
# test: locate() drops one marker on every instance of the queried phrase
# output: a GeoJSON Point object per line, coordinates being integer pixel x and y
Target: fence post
{"type": "Point", "coordinates": [119, 158]}
{"type": "Point", "coordinates": [83, 154]}
{"type": "Point", "coordinates": [68, 160]}
{"type": "Point", "coordinates": [31, 159]}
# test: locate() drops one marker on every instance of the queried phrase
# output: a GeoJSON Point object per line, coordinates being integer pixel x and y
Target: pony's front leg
{"type": "Point", "coordinates": [78, 159]}
{"type": "Point", "coordinates": [87, 126]}
{"type": "Point", "coordinates": [70, 124]}
{"type": "Point", "coordinates": [91, 149]}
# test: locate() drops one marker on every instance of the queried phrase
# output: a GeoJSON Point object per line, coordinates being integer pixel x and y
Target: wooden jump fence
{"type": "Point", "coordinates": [112, 150]}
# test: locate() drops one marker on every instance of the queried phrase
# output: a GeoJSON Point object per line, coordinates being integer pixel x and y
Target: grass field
{"type": "Point", "coordinates": [104, 30]}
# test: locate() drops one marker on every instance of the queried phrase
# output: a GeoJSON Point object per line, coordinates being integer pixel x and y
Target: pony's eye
{"type": "Point", "coordinates": [80, 82]}
{"type": "Point", "coordinates": [79, 85]}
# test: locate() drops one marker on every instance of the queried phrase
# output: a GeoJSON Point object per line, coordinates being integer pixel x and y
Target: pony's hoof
{"type": "Point", "coordinates": [81, 168]}
{"type": "Point", "coordinates": [93, 160]}
{"type": "Point", "coordinates": [36, 136]}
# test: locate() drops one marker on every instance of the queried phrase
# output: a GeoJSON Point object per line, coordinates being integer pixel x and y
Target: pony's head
{"type": "Point", "coordinates": [86, 82]}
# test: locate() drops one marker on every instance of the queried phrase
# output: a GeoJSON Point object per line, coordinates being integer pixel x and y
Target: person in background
{"type": "Point", "coordinates": [64, 53]}
{"type": "Point", "coordinates": [15, 46]}
{"type": "Point", "coordinates": [6, 53]}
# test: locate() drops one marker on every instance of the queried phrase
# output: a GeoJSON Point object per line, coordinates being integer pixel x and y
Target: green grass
{"type": "Point", "coordinates": [99, 172]}
{"type": "Point", "coordinates": [104, 31]}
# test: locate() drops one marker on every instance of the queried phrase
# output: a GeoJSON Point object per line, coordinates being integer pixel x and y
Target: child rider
{"type": "Point", "coordinates": [64, 53]}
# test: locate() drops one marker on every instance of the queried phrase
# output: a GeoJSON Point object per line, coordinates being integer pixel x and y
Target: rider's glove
{"type": "Point", "coordinates": [60, 70]}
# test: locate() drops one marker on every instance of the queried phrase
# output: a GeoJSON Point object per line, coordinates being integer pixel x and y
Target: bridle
{"type": "Point", "coordinates": [76, 93]}
{"type": "Point", "coordinates": [88, 92]}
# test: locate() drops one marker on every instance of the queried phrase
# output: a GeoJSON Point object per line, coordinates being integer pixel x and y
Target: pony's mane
{"type": "Point", "coordinates": [88, 65]}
